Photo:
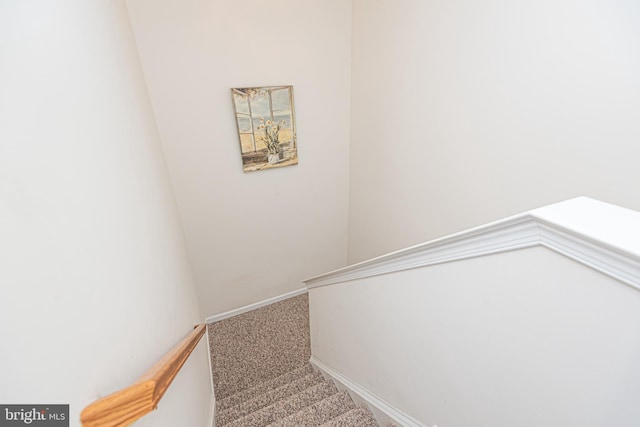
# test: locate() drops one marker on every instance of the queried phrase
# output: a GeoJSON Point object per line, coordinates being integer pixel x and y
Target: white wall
{"type": "Point", "coordinates": [96, 283]}
{"type": "Point", "coordinates": [253, 235]}
{"type": "Point", "coordinates": [464, 112]}
{"type": "Point", "coordinates": [523, 338]}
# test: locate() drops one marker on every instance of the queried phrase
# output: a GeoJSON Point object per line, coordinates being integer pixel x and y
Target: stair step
{"type": "Point", "coordinates": [259, 345]}
{"type": "Point", "coordinates": [359, 417]}
{"type": "Point", "coordinates": [264, 387]}
{"type": "Point", "coordinates": [229, 414]}
{"type": "Point", "coordinates": [250, 353]}
{"type": "Point", "coordinates": [287, 406]}
{"type": "Point", "coordinates": [319, 412]}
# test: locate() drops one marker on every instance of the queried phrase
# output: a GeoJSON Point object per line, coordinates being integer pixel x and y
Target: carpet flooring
{"type": "Point", "coordinates": [262, 375]}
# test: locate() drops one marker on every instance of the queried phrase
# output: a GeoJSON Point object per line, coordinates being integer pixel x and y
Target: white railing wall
{"type": "Point", "coordinates": [533, 320]}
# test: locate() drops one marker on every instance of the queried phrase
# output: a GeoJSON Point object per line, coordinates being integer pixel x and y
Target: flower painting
{"type": "Point", "coordinates": [266, 126]}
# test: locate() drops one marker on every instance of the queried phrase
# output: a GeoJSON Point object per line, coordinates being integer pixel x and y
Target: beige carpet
{"type": "Point", "coordinates": [259, 345]}
{"type": "Point", "coordinates": [262, 376]}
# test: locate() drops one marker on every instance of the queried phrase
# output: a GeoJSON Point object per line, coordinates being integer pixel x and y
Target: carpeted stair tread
{"type": "Point", "coordinates": [287, 406]}
{"type": "Point", "coordinates": [259, 345]}
{"type": "Point", "coordinates": [229, 414]}
{"type": "Point", "coordinates": [264, 387]}
{"type": "Point", "coordinates": [360, 417]}
{"type": "Point", "coordinates": [318, 413]}
{"type": "Point", "coordinates": [262, 376]}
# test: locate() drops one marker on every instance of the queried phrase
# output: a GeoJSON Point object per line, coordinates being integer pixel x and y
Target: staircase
{"type": "Point", "coordinates": [301, 397]}
{"type": "Point", "coordinates": [262, 376]}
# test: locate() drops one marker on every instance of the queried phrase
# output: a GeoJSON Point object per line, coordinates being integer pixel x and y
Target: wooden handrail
{"type": "Point", "coordinates": [127, 405]}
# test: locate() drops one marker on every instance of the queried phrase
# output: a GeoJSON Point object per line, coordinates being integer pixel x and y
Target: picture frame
{"type": "Point", "coordinates": [265, 120]}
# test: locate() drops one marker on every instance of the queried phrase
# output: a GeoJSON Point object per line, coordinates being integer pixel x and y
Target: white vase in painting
{"type": "Point", "coordinates": [274, 158]}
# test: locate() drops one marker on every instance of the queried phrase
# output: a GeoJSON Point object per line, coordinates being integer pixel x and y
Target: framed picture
{"type": "Point", "coordinates": [266, 126]}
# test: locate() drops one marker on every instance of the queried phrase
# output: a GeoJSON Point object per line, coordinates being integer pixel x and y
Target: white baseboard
{"type": "Point", "coordinates": [212, 412]}
{"type": "Point", "coordinates": [246, 308]}
{"type": "Point", "coordinates": [212, 400]}
{"type": "Point", "coordinates": [374, 402]}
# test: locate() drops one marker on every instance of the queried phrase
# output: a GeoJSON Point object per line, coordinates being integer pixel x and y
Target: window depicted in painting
{"type": "Point", "coordinates": [266, 126]}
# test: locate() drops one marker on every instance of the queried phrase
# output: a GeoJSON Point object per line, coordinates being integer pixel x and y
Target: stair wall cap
{"type": "Point", "coordinates": [599, 235]}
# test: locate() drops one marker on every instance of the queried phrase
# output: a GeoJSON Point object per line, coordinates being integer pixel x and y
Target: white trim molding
{"type": "Point", "coordinates": [375, 402]}
{"type": "Point", "coordinates": [211, 421]}
{"type": "Point", "coordinates": [212, 401]}
{"type": "Point", "coordinates": [246, 308]}
{"type": "Point", "coordinates": [599, 235]}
